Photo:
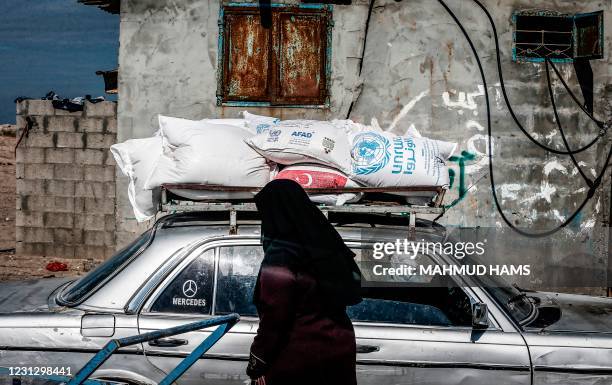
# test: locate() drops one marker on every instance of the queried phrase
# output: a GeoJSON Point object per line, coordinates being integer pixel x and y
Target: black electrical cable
{"type": "Point", "coordinates": [363, 49]}
{"type": "Point", "coordinates": [592, 189]}
{"type": "Point", "coordinates": [507, 100]}
{"type": "Point", "coordinates": [560, 127]}
{"type": "Point", "coordinates": [365, 35]}
{"type": "Point", "coordinates": [569, 91]}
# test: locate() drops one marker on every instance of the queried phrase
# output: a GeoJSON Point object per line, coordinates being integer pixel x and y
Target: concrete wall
{"type": "Point", "coordinates": [418, 69]}
{"type": "Point", "coordinates": [7, 186]}
{"type": "Point", "coordinates": [65, 181]}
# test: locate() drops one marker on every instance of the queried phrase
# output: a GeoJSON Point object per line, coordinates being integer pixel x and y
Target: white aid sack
{"type": "Point", "coordinates": [382, 159]}
{"type": "Point", "coordinates": [217, 155]}
{"type": "Point", "coordinates": [136, 158]}
{"type": "Point", "coordinates": [295, 141]}
{"type": "Point", "coordinates": [350, 127]}
{"type": "Point", "coordinates": [227, 121]}
{"type": "Point", "coordinates": [317, 176]}
{"type": "Point", "coordinates": [258, 123]}
{"type": "Point", "coordinates": [206, 195]}
{"type": "Point", "coordinates": [177, 131]}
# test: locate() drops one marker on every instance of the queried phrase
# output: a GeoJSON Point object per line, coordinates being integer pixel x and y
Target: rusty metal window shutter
{"type": "Point", "coordinates": [246, 60]}
{"type": "Point", "coordinates": [300, 57]}
{"type": "Point", "coordinates": [285, 65]}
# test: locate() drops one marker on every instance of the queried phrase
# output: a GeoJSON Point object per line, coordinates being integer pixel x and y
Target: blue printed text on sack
{"type": "Point", "coordinates": [302, 134]}
{"type": "Point", "coordinates": [404, 155]}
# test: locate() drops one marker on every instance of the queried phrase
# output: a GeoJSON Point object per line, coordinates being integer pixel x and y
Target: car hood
{"type": "Point", "coordinates": [578, 312]}
{"type": "Point", "coordinates": [28, 296]}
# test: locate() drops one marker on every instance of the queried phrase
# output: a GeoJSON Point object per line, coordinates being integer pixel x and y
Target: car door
{"type": "Point", "coordinates": [213, 281]}
{"type": "Point", "coordinates": [398, 341]}
{"type": "Point", "coordinates": [570, 357]}
{"type": "Point", "coordinates": [423, 335]}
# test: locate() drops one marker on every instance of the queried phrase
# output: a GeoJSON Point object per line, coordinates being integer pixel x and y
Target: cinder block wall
{"type": "Point", "coordinates": [66, 181]}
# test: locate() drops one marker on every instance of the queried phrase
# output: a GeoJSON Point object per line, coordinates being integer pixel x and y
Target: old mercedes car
{"type": "Point", "coordinates": [188, 267]}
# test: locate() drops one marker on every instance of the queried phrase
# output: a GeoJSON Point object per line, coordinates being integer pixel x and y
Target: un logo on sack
{"type": "Point", "coordinates": [370, 153]}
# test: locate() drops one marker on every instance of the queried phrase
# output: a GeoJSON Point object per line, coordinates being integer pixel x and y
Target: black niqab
{"type": "Point", "coordinates": [296, 234]}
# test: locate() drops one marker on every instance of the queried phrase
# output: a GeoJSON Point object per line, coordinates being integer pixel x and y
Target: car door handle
{"type": "Point", "coordinates": [367, 348]}
{"type": "Point", "coordinates": [168, 342]}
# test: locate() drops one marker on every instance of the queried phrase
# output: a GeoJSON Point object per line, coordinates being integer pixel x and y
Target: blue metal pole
{"type": "Point", "coordinates": [95, 362]}
{"type": "Point", "coordinates": [196, 354]}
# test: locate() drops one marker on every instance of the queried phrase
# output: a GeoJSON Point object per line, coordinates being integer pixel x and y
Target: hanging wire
{"type": "Point", "coordinates": [503, 87]}
{"type": "Point", "coordinates": [592, 188]}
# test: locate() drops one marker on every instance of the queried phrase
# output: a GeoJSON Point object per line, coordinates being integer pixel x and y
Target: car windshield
{"type": "Point", "coordinates": [513, 299]}
{"type": "Point", "coordinates": [79, 290]}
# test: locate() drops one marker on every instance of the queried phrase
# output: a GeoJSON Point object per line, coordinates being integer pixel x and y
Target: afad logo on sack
{"type": "Point", "coordinates": [370, 153]}
{"type": "Point", "coordinates": [302, 134]}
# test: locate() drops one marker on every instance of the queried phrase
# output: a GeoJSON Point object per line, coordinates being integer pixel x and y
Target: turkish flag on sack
{"type": "Point", "coordinates": [316, 176]}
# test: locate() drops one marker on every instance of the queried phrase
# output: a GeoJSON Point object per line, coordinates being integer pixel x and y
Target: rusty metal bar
{"type": "Point", "coordinates": [203, 187]}
{"type": "Point", "coordinates": [350, 208]}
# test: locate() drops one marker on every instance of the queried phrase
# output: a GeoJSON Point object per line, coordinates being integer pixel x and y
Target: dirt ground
{"type": "Point", "coordinates": [15, 268]}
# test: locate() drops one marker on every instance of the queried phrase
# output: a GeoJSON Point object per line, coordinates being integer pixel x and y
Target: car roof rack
{"type": "Point", "coordinates": [377, 202]}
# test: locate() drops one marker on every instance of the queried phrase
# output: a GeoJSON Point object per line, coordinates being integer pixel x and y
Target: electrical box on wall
{"type": "Point", "coordinates": [560, 37]}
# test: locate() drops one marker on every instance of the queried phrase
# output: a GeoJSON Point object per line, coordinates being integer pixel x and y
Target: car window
{"type": "Point", "coordinates": [190, 292]}
{"type": "Point", "coordinates": [79, 290]}
{"type": "Point", "coordinates": [238, 269]}
{"type": "Point", "coordinates": [397, 312]}
{"type": "Point", "coordinates": [431, 306]}
{"type": "Point", "coordinates": [439, 304]}
{"type": "Point", "coordinates": [366, 262]}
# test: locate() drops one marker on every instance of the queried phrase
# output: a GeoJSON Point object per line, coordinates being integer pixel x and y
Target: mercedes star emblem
{"type": "Point", "coordinates": [190, 288]}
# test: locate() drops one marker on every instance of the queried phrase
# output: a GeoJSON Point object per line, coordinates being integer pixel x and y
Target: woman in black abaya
{"type": "Point", "coordinates": [307, 279]}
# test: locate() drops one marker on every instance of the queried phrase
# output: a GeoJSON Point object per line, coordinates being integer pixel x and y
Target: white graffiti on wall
{"type": "Point", "coordinates": [406, 109]}
{"type": "Point", "coordinates": [464, 101]}
{"type": "Point", "coordinates": [474, 145]}
{"type": "Point", "coordinates": [554, 165]}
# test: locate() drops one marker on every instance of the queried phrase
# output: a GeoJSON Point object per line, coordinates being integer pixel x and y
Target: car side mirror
{"type": "Point", "coordinates": [480, 316]}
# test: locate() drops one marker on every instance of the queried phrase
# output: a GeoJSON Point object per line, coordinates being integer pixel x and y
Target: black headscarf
{"type": "Point", "coordinates": [296, 234]}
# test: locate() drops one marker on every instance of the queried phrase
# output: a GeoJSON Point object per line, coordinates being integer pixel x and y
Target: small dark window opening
{"type": "Point", "coordinates": [286, 63]}
{"type": "Point", "coordinates": [589, 36]}
{"type": "Point", "coordinates": [558, 37]}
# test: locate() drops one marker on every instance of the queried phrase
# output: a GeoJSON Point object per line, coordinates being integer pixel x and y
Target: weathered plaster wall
{"type": "Point", "coordinates": [430, 79]}
{"type": "Point", "coordinates": [168, 60]}
{"type": "Point", "coordinates": [418, 69]}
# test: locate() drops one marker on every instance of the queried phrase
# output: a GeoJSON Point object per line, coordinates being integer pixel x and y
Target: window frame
{"type": "Point", "coordinates": [574, 48]}
{"type": "Point", "coordinates": [436, 258]}
{"type": "Point", "coordinates": [326, 9]}
{"type": "Point", "coordinates": [168, 279]}
{"type": "Point", "coordinates": [173, 268]}
{"type": "Point", "coordinates": [602, 36]}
